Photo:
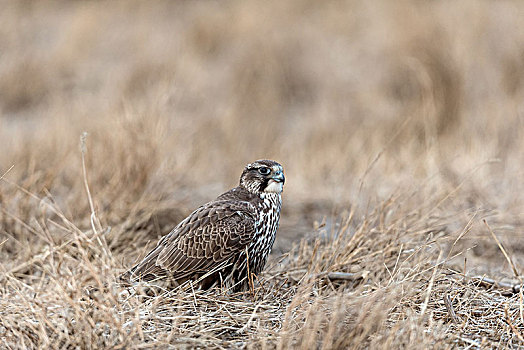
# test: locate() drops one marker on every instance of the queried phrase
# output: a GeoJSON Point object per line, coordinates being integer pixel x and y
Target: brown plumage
{"type": "Point", "coordinates": [214, 244]}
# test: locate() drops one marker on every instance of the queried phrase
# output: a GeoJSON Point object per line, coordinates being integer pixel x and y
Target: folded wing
{"type": "Point", "coordinates": [208, 238]}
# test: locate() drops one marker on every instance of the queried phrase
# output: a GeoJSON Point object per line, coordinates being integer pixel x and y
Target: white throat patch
{"type": "Point", "coordinates": [274, 187]}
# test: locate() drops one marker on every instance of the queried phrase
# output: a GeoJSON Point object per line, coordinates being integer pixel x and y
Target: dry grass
{"type": "Point", "coordinates": [400, 126]}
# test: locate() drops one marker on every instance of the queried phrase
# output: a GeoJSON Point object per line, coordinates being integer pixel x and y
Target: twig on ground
{"type": "Point", "coordinates": [344, 276]}
{"type": "Point", "coordinates": [490, 283]}
{"type": "Point", "coordinates": [451, 310]}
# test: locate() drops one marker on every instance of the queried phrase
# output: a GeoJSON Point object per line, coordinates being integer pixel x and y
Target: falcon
{"type": "Point", "coordinates": [224, 242]}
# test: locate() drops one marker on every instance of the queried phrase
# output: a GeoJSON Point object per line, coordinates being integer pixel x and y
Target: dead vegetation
{"type": "Point", "coordinates": [399, 124]}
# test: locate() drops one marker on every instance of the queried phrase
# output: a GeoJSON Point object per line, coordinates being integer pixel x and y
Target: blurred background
{"type": "Point", "coordinates": [360, 101]}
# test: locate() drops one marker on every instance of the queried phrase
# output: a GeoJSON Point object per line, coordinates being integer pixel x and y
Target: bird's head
{"type": "Point", "coordinates": [263, 176]}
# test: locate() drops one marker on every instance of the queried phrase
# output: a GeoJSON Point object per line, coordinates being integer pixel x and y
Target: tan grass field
{"type": "Point", "coordinates": [400, 125]}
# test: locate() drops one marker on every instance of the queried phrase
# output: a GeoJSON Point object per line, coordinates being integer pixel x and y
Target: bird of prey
{"type": "Point", "coordinates": [224, 242]}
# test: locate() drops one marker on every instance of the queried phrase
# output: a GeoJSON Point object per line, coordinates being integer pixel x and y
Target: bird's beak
{"type": "Point", "coordinates": [279, 177]}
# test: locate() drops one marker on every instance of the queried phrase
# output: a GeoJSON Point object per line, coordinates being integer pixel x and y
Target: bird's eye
{"type": "Point", "coordinates": [264, 170]}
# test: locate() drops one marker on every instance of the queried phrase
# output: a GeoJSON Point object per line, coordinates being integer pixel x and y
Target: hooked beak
{"type": "Point", "coordinates": [279, 177]}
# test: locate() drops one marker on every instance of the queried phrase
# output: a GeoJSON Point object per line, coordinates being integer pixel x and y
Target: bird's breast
{"type": "Point", "coordinates": [266, 228]}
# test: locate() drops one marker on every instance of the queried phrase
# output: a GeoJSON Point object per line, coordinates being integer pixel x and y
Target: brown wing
{"type": "Point", "coordinates": [205, 239]}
